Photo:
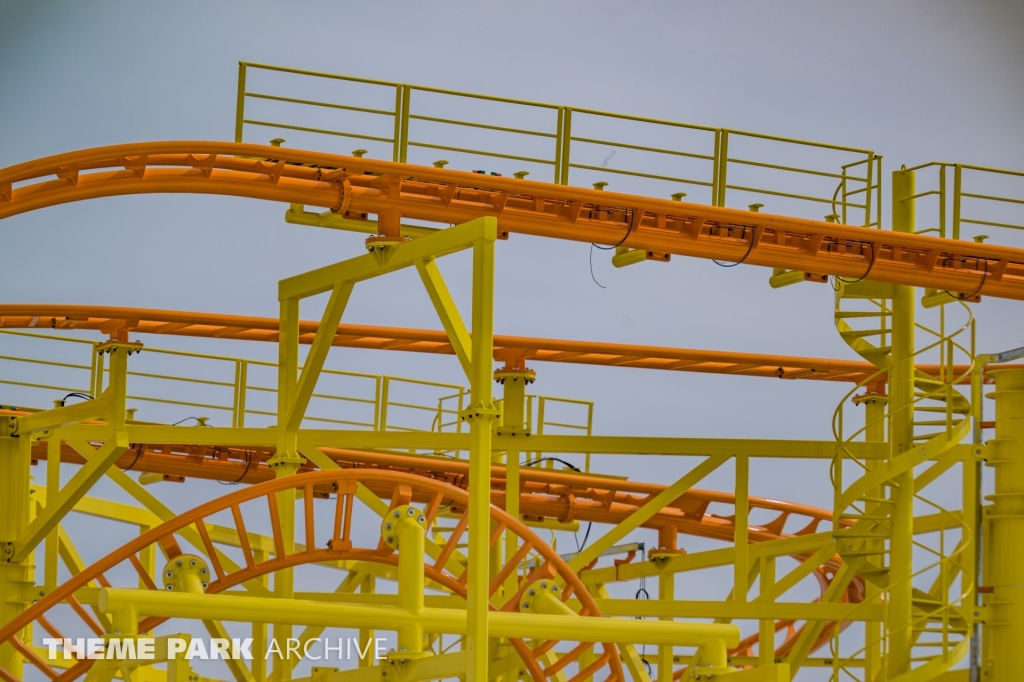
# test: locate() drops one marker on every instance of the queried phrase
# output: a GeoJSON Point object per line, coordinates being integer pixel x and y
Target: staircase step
{"type": "Point", "coordinates": [864, 333]}
{"type": "Point", "coordinates": [873, 517]}
{"type": "Point", "coordinates": [863, 552]}
{"type": "Point", "coordinates": [845, 314]}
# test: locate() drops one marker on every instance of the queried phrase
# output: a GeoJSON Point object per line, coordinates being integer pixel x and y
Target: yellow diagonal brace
{"type": "Point", "coordinates": [812, 629]}
{"type": "Point", "coordinates": [644, 513]}
{"type": "Point", "coordinates": [40, 421]}
{"type": "Point", "coordinates": [442, 243]}
{"type": "Point", "coordinates": [237, 667]}
{"type": "Point", "coordinates": [805, 568]}
{"type": "Point", "coordinates": [150, 502]}
{"type": "Point", "coordinates": [317, 355]}
{"type": "Point", "coordinates": [56, 509]}
{"type": "Point", "coordinates": [447, 311]}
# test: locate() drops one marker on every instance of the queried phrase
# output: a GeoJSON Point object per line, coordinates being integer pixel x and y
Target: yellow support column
{"type": "Point", "coordinates": [1006, 635]}
{"type": "Point", "coordinates": [480, 415]}
{"type": "Point", "coordinates": [666, 593]}
{"type": "Point", "coordinates": [14, 507]}
{"type": "Point", "coordinates": [901, 400]}
{"type": "Point", "coordinates": [285, 462]}
{"type": "Point", "coordinates": [514, 377]}
{"type": "Point", "coordinates": [874, 432]}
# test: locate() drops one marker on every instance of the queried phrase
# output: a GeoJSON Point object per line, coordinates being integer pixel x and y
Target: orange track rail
{"type": "Point", "coordinates": [509, 349]}
{"type": "Point", "coordinates": [357, 186]}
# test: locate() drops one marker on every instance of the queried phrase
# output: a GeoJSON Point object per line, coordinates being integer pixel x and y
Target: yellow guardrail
{"type": "Point", "coordinates": [379, 402]}
{"type": "Point", "coordinates": [953, 203]}
{"type": "Point", "coordinates": [547, 136]}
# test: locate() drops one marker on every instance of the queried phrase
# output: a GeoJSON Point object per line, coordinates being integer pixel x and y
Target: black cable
{"type": "Point", "coordinates": [83, 396]}
{"type": "Point", "coordinates": [984, 276]}
{"type": "Point", "coordinates": [138, 453]}
{"type": "Point", "coordinates": [590, 524]}
{"type": "Point", "coordinates": [871, 266]}
{"type": "Point", "coordinates": [745, 256]}
{"type": "Point", "coordinates": [248, 461]}
{"type": "Point", "coordinates": [592, 268]}
{"type": "Point", "coordinates": [528, 463]}
{"type": "Point", "coordinates": [629, 231]}
{"type": "Point", "coordinates": [186, 419]}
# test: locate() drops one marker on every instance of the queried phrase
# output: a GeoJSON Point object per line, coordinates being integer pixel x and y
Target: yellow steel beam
{"type": "Point", "coordinates": [659, 608]}
{"type": "Point", "coordinates": [69, 414]}
{"type": "Point", "coordinates": [70, 494]}
{"type": "Point", "coordinates": [502, 624]}
{"type": "Point", "coordinates": [317, 355]}
{"type": "Point", "coordinates": [446, 311]}
{"type": "Point", "coordinates": [480, 415]}
{"type": "Point", "coordinates": [444, 242]}
{"type": "Point", "coordinates": [644, 513]}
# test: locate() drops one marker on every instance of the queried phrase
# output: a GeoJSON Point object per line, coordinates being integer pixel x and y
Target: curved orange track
{"type": "Point", "coordinates": [362, 186]}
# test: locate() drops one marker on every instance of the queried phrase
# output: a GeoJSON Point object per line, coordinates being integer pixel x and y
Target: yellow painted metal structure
{"type": "Point", "coordinates": [909, 588]}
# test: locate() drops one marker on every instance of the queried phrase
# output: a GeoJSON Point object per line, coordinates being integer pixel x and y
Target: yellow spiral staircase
{"type": "Point", "coordinates": [864, 508]}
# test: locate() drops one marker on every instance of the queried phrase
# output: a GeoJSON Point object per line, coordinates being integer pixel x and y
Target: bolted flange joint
{"type": "Point", "coordinates": [186, 573]}
{"type": "Point", "coordinates": [398, 519]}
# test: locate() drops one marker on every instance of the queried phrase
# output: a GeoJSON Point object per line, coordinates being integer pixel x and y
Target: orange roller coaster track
{"type": "Point", "coordinates": [356, 186]}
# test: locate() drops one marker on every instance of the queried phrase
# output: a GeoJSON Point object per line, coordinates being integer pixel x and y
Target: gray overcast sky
{"type": "Point", "coordinates": [914, 81]}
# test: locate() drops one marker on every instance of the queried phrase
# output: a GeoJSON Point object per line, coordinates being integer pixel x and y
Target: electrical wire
{"type": "Point", "coordinates": [592, 268]}
{"type": "Point", "coordinates": [83, 396]}
{"type": "Point", "coordinates": [871, 265]}
{"type": "Point", "coordinates": [248, 462]}
{"type": "Point", "coordinates": [138, 453]}
{"type": "Point", "coordinates": [186, 419]}
{"type": "Point", "coordinates": [745, 256]}
{"type": "Point", "coordinates": [590, 524]}
{"type": "Point", "coordinates": [984, 276]}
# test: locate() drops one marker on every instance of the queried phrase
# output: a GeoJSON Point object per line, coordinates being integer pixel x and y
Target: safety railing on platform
{"type": "Point", "coordinates": [237, 390]}
{"type": "Point", "coordinates": [566, 144]}
{"type": "Point", "coordinates": [231, 388]}
{"type": "Point", "coordinates": [959, 203]}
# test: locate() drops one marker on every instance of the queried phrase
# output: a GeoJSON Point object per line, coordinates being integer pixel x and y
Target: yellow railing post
{"type": "Point", "coordinates": [566, 144]}
{"type": "Point", "coordinates": [559, 136]}
{"type": "Point", "coordinates": [404, 134]}
{"type": "Point", "coordinates": [957, 187]}
{"type": "Point", "coordinates": [396, 145]}
{"type": "Point", "coordinates": [901, 397]}
{"type": "Point", "coordinates": [240, 102]}
{"type": "Point", "coordinates": [723, 168]}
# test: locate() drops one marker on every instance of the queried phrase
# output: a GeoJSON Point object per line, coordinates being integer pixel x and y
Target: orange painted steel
{"type": "Point", "coordinates": [545, 494]}
{"type": "Point", "coordinates": [508, 349]}
{"type": "Point", "coordinates": [357, 186]}
{"type": "Point", "coordinates": [445, 573]}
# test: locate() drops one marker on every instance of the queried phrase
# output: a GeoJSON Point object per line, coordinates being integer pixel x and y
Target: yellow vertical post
{"type": "Point", "coordinates": [52, 489]}
{"type": "Point", "coordinates": [366, 635]}
{"type": "Point", "coordinates": [411, 539]}
{"type": "Point", "coordinates": [766, 632]}
{"type": "Point", "coordinates": [15, 460]}
{"type": "Point", "coordinates": [874, 431]}
{"type": "Point", "coordinates": [901, 438]}
{"type": "Point", "coordinates": [480, 414]}
{"type": "Point", "coordinates": [240, 102]}
{"type": "Point", "coordinates": [741, 533]}
{"type": "Point", "coordinates": [666, 592]}
{"type": "Point", "coordinates": [514, 380]}
{"type": "Point", "coordinates": [286, 462]}
{"type": "Point", "coordinates": [1007, 519]}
